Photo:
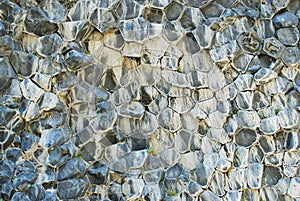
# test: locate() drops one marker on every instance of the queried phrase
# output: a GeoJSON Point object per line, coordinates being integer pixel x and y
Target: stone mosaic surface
{"type": "Point", "coordinates": [149, 100]}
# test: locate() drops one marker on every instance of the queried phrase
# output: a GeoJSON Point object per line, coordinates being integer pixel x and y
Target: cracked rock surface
{"type": "Point", "coordinates": [149, 100]}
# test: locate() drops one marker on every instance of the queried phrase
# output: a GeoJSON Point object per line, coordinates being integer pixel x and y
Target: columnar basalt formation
{"type": "Point", "coordinates": [149, 100]}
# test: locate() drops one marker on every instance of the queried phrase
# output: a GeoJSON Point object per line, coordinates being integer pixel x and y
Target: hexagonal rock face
{"type": "Point", "coordinates": [245, 137]}
{"type": "Point", "coordinates": [149, 100]}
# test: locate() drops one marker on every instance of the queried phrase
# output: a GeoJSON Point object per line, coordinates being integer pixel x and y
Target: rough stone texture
{"type": "Point", "coordinates": [149, 100]}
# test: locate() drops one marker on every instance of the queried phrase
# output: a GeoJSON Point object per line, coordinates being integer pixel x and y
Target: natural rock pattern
{"type": "Point", "coordinates": [149, 100]}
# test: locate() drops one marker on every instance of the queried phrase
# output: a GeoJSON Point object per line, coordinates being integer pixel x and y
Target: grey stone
{"type": "Point", "coordinates": [256, 154]}
{"type": "Point", "coordinates": [264, 75]}
{"type": "Point", "coordinates": [133, 160]}
{"type": "Point", "coordinates": [217, 134]}
{"type": "Point", "coordinates": [72, 188]}
{"type": "Point", "coordinates": [116, 151]}
{"type": "Point", "coordinates": [169, 120]}
{"type": "Point", "coordinates": [49, 44]}
{"type": "Point", "coordinates": [30, 90]}
{"type": "Point", "coordinates": [188, 44]}
{"type": "Point", "coordinates": [244, 82]}
{"type": "Point", "coordinates": [250, 42]}
{"type": "Point", "coordinates": [273, 47]}
{"type": "Point", "coordinates": [204, 35]}
{"type": "Point", "coordinates": [280, 4]}
{"type": "Point", "coordinates": [13, 154]}
{"type": "Point", "coordinates": [20, 196]}
{"type": "Point", "coordinates": [24, 63]}
{"type": "Point", "coordinates": [173, 11]}
{"type": "Point", "coordinates": [190, 160]}
{"type": "Point", "coordinates": [207, 195]}
{"type": "Point", "coordinates": [288, 36]}
{"type": "Point", "coordinates": [7, 171]}
{"type": "Point", "coordinates": [76, 167]}
{"type": "Point", "coordinates": [241, 158]}
{"type": "Point", "coordinates": [135, 30]}
{"type": "Point", "coordinates": [244, 100]}
{"type": "Point", "coordinates": [71, 31]}
{"type": "Point", "coordinates": [50, 102]}
{"type": "Point", "coordinates": [267, 144]}
{"type": "Point", "coordinates": [168, 156]}
{"type": "Point", "coordinates": [76, 60]}
{"type": "Point", "coordinates": [217, 184]}
{"type": "Point", "coordinates": [237, 179]}
{"type": "Point", "coordinates": [285, 19]}
{"type": "Point", "coordinates": [265, 28]}
{"type": "Point", "coordinates": [248, 119]}
{"type": "Point", "coordinates": [8, 45]}
{"type": "Point", "coordinates": [241, 62]}
{"type": "Point", "coordinates": [153, 176]}
{"type": "Point", "coordinates": [194, 188]}
{"type": "Point", "coordinates": [7, 74]}
{"type": "Point", "coordinates": [269, 125]}
{"type": "Point", "coordinates": [294, 185]}
{"type": "Point", "coordinates": [174, 171]}
{"type": "Point", "coordinates": [102, 19]}
{"type": "Point", "coordinates": [25, 174]}
{"type": "Point", "coordinates": [98, 173]}
{"type": "Point", "coordinates": [232, 195]}
{"type": "Point", "coordinates": [288, 118]}
{"type": "Point", "coordinates": [203, 175]}
{"type": "Point", "coordinates": [292, 141]}
{"type": "Point", "coordinates": [132, 187]}
{"type": "Point", "coordinates": [103, 117]}
{"type": "Point", "coordinates": [36, 192]}
{"type": "Point", "coordinates": [254, 175]}
{"type": "Point", "coordinates": [291, 56]}
{"type": "Point", "coordinates": [81, 10]}
{"type": "Point", "coordinates": [153, 192]}
{"type": "Point", "coordinates": [28, 140]}
{"type": "Point", "coordinates": [7, 138]}
{"type": "Point", "coordinates": [51, 137]}
{"type": "Point", "coordinates": [223, 165]}
{"type": "Point", "coordinates": [271, 175]}
{"type": "Point", "coordinates": [37, 22]}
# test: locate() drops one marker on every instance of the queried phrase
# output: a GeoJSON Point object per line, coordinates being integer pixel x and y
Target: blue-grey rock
{"type": "Point", "coordinates": [8, 45]}
{"type": "Point", "coordinates": [11, 12]}
{"type": "Point", "coordinates": [203, 175]}
{"type": "Point", "coordinates": [103, 20]}
{"type": "Point", "coordinates": [28, 140]}
{"type": "Point", "coordinates": [75, 60]}
{"type": "Point", "coordinates": [49, 44]}
{"type": "Point", "coordinates": [254, 175]}
{"type": "Point", "coordinates": [13, 154]}
{"type": "Point", "coordinates": [207, 195]}
{"type": "Point", "coordinates": [6, 138]}
{"type": "Point", "coordinates": [52, 137]}
{"type": "Point", "coordinates": [25, 175]}
{"type": "Point", "coordinates": [285, 19]}
{"type": "Point", "coordinates": [271, 175]}
{"type": "Point", "coordinates": [7, 171]}
{"type": "Point", "coordinates": [37, 22]}
{"type": "Point", "coordinates": [72, 188]}
{"type": "Point", "coordinates": [288, 36]}
{"type": "Point", "coordinates": [19, 196]}
{"type": "Point", "coordinates": [294, 185]}
{"type": "Point", "coordinates": [98, 173]}
{"type": "Point", "coordinates": [132, 187]}
{"type": "Point", "coordinates": [245, 137]}
{"type": "Point", "coordinates": [75, 167]}
{"type": "Point", "coordinates": [292, 141]}
{"type": "Point", "coordinates": [35, 192]}
{"type": "Point", "coordinates": [6, 74]}
{"type": "Point", "coordinates": [24, 63]}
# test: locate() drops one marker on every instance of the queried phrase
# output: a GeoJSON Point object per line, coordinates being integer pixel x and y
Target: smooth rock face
{"type": "Point", "coordinates": [149, 100]}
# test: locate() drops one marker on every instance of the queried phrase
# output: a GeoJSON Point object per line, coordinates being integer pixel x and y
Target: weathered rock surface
{"type": "Point", "coordinates": [149, 100]}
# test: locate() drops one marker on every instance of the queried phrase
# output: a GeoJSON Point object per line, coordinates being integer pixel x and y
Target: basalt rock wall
{"type": "Point", "coordinates": [149, 100]}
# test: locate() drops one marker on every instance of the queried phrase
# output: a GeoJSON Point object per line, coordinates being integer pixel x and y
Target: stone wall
{"type": "Point", "coordinates": [149, 100]}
